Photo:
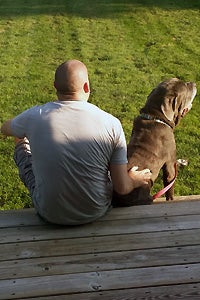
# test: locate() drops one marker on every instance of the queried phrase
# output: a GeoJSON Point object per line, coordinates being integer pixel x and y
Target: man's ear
{"type": "Point", "coordinates": [86, 87]}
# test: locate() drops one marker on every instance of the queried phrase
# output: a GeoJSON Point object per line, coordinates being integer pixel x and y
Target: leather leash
{"type": "Point", "coordinates": [166, 188]}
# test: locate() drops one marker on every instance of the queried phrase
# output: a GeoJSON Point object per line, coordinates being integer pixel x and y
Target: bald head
{"type": "Point", "coordinates": [71, 79]}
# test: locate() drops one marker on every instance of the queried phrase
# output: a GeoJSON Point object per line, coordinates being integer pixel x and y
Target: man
{"type": "Point", "coordinates": [66, 149]}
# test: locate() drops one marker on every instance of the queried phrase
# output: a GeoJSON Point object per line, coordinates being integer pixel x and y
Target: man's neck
{"type": "Point", "coordinates": [71, 97]}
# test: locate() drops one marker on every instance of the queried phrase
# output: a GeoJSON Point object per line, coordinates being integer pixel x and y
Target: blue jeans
{"type": "Point", "coordinates": [23, 160]}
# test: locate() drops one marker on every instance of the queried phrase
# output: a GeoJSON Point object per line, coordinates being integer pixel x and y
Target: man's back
{"type": "Point", "coordinates": [72, 144]}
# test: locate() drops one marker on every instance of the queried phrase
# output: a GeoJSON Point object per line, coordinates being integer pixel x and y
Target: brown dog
{"type": "Point", "coordinates": [152, 144]}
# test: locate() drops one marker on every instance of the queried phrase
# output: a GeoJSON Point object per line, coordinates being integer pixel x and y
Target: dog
{"type": "Point", "coordinates": [152, 144]}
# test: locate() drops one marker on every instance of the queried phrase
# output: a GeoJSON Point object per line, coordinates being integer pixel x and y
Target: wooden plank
{"type": "Point", "coordinates": [168, 208]}
{"type": "Point", "coordinates": [173, 292]}
{"type": "Point", "coordinates": [99, 244]}
{"type": "Point", "coordinates": [99, 281]}
{"type": "Point", "coordinates": [100, 261]}
{"type": "Point", "coordinates": [27, 217]}
{"type": "Point", "coordinates": [33, 233]}
{"type": "Point", "coordinates": [19, 217]}
{"type": "Point", "coordinates": [187, 198]}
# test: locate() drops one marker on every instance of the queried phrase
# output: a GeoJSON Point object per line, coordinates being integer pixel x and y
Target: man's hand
{"type": "Point", "coordinates": [124, 182]}
{"type": "Point", "coordinates": [140, 177]}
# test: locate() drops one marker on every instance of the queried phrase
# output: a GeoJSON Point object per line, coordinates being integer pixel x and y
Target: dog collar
{"type": "Point", "coordinates": [149, 117]}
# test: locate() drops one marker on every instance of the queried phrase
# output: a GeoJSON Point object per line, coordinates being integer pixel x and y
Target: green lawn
{"type": "Point", "coordinates": [128, 47]}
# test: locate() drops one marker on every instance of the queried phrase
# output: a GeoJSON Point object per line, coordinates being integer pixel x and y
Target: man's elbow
{"type": "Point", "coordinates": [6, 128]}
{"type": "Point", "coordinates": [122, 190]}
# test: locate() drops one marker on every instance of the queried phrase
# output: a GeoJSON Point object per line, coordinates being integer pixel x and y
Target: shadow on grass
{"type": "Point", "coordinates": [87, 8]}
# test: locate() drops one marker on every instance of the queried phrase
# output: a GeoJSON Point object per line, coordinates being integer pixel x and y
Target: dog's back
{"type": "Point", "coordinates": [150, 146]}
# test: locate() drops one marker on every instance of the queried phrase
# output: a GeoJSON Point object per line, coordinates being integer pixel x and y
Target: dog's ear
{"type": "Point", "coordinates": [174, 104]}
{"type": "Point", "coordinates": [169, 106]}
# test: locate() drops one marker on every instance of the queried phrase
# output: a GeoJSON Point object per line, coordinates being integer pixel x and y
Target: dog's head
{"type": "Point", "coordinates": [171, 100]}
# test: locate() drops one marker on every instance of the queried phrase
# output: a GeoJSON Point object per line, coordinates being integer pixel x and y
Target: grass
{"type": "Point", "coordinates": [128, 47]}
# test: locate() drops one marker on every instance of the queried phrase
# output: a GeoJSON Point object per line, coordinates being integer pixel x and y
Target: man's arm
{"type": "Point", "coordinates": [6, 128]}
{"type": "Point", "coordinates": [124, 182]}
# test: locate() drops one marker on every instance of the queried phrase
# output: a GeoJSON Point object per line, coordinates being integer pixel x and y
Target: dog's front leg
{"type": "Point", "coordinates": [169, 173]}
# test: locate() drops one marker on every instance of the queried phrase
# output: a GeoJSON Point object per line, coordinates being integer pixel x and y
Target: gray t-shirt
{"type": "Point", "coordinates": [72, 144]}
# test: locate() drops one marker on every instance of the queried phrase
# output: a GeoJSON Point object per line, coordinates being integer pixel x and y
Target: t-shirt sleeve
{"type": "Point", "coordinates": [19, 125]}
{"type": "Point", "coordinates": [119, 155]}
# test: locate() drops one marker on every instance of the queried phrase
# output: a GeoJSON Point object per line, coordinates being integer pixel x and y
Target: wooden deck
{"type": "Point", "coordinates": [144, 252]}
